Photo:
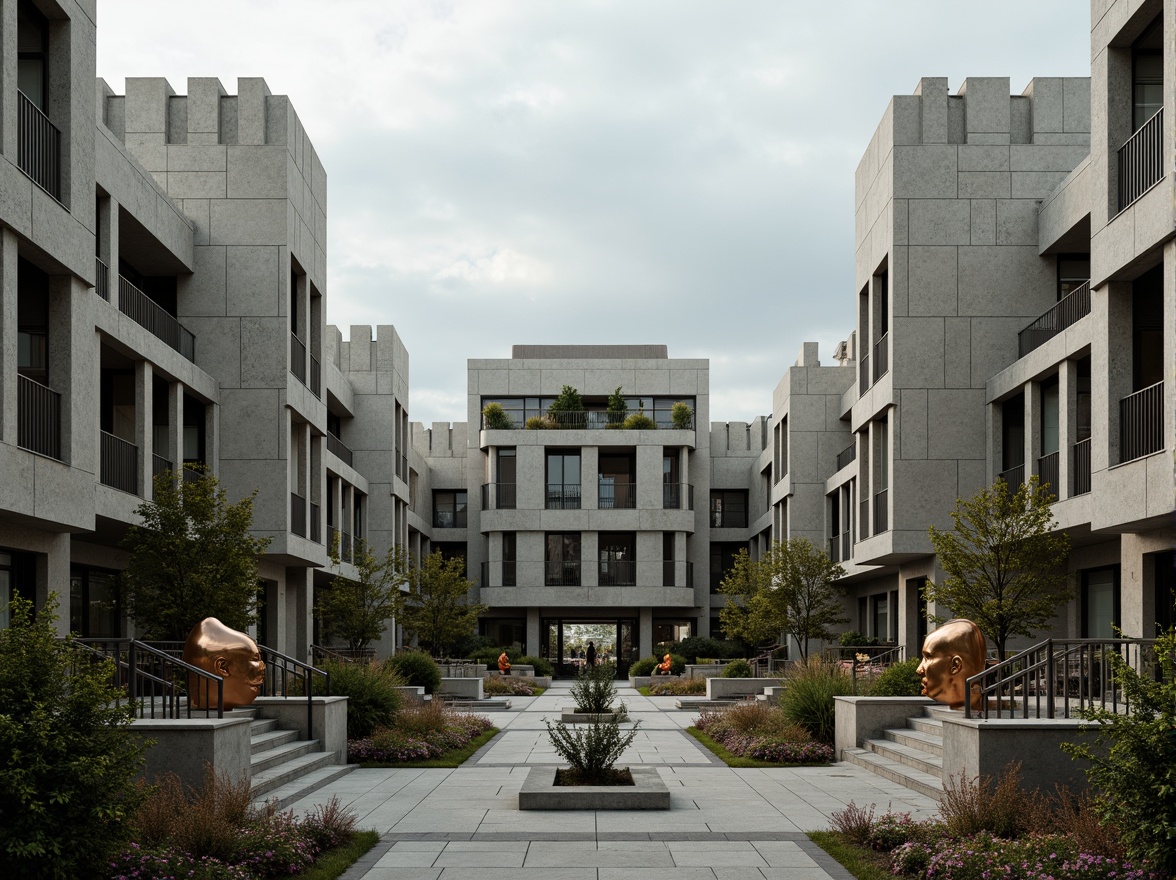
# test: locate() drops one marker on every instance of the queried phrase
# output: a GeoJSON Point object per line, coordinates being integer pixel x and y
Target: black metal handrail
{"type": "Point", "coordinates": [316, 377]}
{"type": "Point", "coordinates": [147, 313]}
{"type": "Point", "coordinates": [1141, 423]}
{"type": "Point", "coordinates": [616, 496]}
{"type": "Point", "coordinates": [617, 572]}
{"type": "Point", "coordinates": [1070, 309]}
{"type": "Point", "coordinates": [498, 496]}
{"type": "Point", "coordinates": [846, 455]}
{"type": "Point", "coordinates": [881, 513]}
{"type": "Point", "coordinates": [38, 146]}
{"type": "Point", "coordinates": [101, 279]}
{"type": "Point", "coordinates": [1141, 160]}
{"type": "Point", "coordinates": [1047, 473]}
{"type": "Point", "coordinates": [119, 464]}
{"type": "Point", "coordinates": [1082, 467]}
{"type": "Point", "coordinates": [297, 514]}
{"type": "Point", "coordinates": [673, 495]}
{"type": "Point", "coordinates": [38, 417]}
{"type": "Point", "coordinates": [1079, 671]}
{"type": "Point", "coordinates": [562, 574]}
{"type": "Point", "coordinates": [157, 682]}
{"type": "Point", "coordinates": [563, 496]}
{"type": "Point", "coordinates": [865, 661]}
{"type": "Point", "coordinates": [287, 677]}
{"type": "Point", "coordinates": [882, 357]}
{"type": "Point", "coordinates": [339, 449]}
{"type": "Point", "coordinates": [297, 358]}
{"type": "Point", "coordinates": [1014, 477]}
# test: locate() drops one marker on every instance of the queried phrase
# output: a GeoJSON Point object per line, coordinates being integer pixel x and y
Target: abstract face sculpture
{"type": "Point", "coordinates": [232, 655]}
{"type": "Point", "coordinates": [950, 655]}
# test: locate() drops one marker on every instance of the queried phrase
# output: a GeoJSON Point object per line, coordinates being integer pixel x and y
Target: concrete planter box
{"type": "Point", "coordinates": [186, 746]}
{"type": "Point", "coordinates": [462, 688]}
{"type": "Point", "coordinates": [569, 715]}
{"type": "Point", "coordinates": [704, 670]}
{"type": "Point", "coordinates": [644, 681]}
{"type": "Point", "coordinates": [414, 695]}
{"type": "Point", "coordinates": [539, 792]}
{"type": "Point", "coordinates": [737, 688]}
{"type": "Point", "coordinates": [462, 670]}
{"type": "Point", "coordinates": [524, 671]}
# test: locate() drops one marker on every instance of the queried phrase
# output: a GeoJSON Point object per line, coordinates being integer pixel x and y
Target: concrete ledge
{"type": "Point", "coordinates": [733, 688]}
{"type": "Point", "coordinates": [539, 792]}
{"type": "Point", "coordinates": [414, 695]}
{"type": "Point", "coordinates": [976, 747]}
{"type": "Point", "coordinates": [569, 715]}
{"type": "Point", "coordinates": [704, 670]}
{"type": "Point", "coordinates": [185, 746]}
{"type": "Point", "coordinates": [328, 720]}
{"type": "Point", "coordinates": [462, 688]}
{"type": "Point", "coordinates": [644, 681]}
{"type": "Point", "coordinates": [526, 671]}
{"type": "Point", "coordinates": [862, 718]}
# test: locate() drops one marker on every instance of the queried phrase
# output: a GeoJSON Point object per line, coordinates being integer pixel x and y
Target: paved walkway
{"type": "Point", "coordinates": [724, 823]}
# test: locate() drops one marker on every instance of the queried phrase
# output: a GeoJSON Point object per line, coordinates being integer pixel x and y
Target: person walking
{"type": "Point", "coordinates": [590, 659]}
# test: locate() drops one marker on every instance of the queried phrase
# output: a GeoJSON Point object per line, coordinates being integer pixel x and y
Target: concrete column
{"type": "Point", "coordinates": [1110, 369]}
{"type": "Point", "coordinates": [143, 423]}
{"type": "Point", "coordinates": [644, 632]}
{"type": "Point", "coordinates": [8, 300]}
{"type": "Point", "coordinates": [1067, 425]}
{"type": "Point", "coordinates": [589, 477]}
{"type": "Point", "coordinates": [8, 73]}
{"type": "Point", "coordinates": [589, 559]}
{"type": "Point", "coordinates": [299, 609]}
{"type": "Point", "coordinates": [74, 369]}
{"type": "Point", "coordinates": [534, 632]}
{"type": "Point", "coordinates": [1032, 427]}
{"type": "Point", "coordinates": [175, 425]}
{"type": "Point", "coordinates": [52, 575]}
{"type": "Point", "coordinates": [212, 437]}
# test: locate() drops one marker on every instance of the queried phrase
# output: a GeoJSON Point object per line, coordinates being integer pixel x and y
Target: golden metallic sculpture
{"type": "Point", "coordinates": [950, 655]}
{"type": "Point", "coordinates": [503, 663]}
{"type": "Point", "coordinates": [232, 655]}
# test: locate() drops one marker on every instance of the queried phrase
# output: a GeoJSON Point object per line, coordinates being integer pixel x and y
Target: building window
{"type": "Point", "coordinates": [562, 559]}
{"type": "Point", "coordinates": [1147, 74]}
{"type": "Point", "coordinates": [94, 608]}
{"type": "Point", "coordinates": [17, 578]}
{"type": "Point", "coordinates": [729, 509]}
{"type": "Point", "coordinates": [449, 509]}
{"type": "Point", "coordinates": [32, 334]}
{"type": "Point", "coordinates": [667, 631]}
{"type": "Point", "coordinates": [1147, 328]}
{"type": "Point", "coordinates": [563, 480]}
{"type": "Point", "coordinates": [618, 559]}
{"type": "Point", "coordinates": [1013, 434]}
{"type": "Point", "coordinates": [509, 558]}
{"type": "Point", "coordinates": [722, 560]}
{"type": "Point", "coordinates": [32, 49]}
{"type": "Point", "coordinates": [1100, 602]}
{"type": "Point", "coordinates": [880, 617]}
{"type": "Point", "coordinates": [1073, 272]}
{"type": "Point", "coordinates": [506, 470]}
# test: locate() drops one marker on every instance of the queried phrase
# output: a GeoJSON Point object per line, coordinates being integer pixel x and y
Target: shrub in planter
{"type": "Point", "coordinates": [808, 696]}
{"type": "Point", "coordinates": [489, 655]}
{"type": "Point", "coordinates": [594, 689]}
{"type": "Point", "coordinates": [644, 666]}
{"type": "Point", "coordinates": [678, 687]}
{"type": "Point", "coordinates": [639, 422]}
{"type": "Point", "coordinates": [539, 423]}
{"type": "Point", "coordinates": [370, 688]}
{"type": "Point", "coordinates": [507, 686]}
{"type": "Point", "coordinates": [418, 669]}
{"type": "Point", "coordinates": [738, 669]}
{"type": "Point", "coordinates": [617, 409]}
{"type": "Point", "coordinates": [898, 680]}
{"type": "Point", "coordinates": [853, 637]}
{"type": "Point", "coordinates": [681, 415]}
{"type": "Point", "coordinates": [494, 418]}
{"type": "Point", "coordinates": [542, 664]}
{"type": "Point", "coordinates": [567, 410]}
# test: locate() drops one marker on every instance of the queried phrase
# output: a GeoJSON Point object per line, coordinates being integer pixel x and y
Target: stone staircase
{"type": "Point", "coordinates": [910, 755]}
{"type": "Point", "coordinates": [283, 767]}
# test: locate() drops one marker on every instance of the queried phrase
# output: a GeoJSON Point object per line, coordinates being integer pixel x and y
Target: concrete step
{"type": "Point", "coordinates": [270, 739]}
{"type": "Point", "coordinates": [487, 705]}
{"type": "Point", "coordinates": [697, 704]}
{"type": "Point", "coordinates": [926, 725]}
{"type": "Point", "coordinates": [924, 783]}
{"type": "Point", "coordinates": [278, 755]}
{"type": "Point", "coordinates": [280, 774]}
{"type": "Point", "coordinates": [302, 786]}
{"type": "Point", "coordinates": [917, 739]}
{"type": "Point", "coordinates": [916, 758]}
{"type": "Point", "coordinates": [262, 725]}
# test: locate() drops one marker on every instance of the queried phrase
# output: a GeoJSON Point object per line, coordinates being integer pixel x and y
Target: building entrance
{"type": "Point", "coordinates": [565, 643]}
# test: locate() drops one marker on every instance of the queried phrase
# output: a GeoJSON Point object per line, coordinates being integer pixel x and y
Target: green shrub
{"type": "Point", "coordinates": [644, 666]}
{"type": "Point", "coordinates": [370, 688]}
{"type": "Point", "coordinates": [677, 664]}
{"type": "Point", "coordinates": [677, 687]}
{"type": "Point", "coordinates": [494, 418]}
{"type": "Point", "coordinates": [571, 404]}
{"type": "Point", "coordinates": [701, 646]}
{"type": "Point", "coordinates": [67, 778]}
{"type": "Point", "coordinates": [594, 689]}
{"type": "Point", "coordinates": [591, 749]}
{"type": "Point", "coordinates": [617, 409]}
{"type": "Point", "coordinates": [738, 669]}
{"type": "Point", "coordinates": [681, 415]}
{"type": "Point", "coordinates": [898, 680]}
{"type": "Point", "coordinates": [542, 664]}
{"type": "Point", "coordinates": [639, 422]}
{"type": "Point", "coordinates": [809, 689]}
{"type": "Point", "coordinates": [855, 638]}
{"type": "Point", "coordinates": [1001, 806]}
{"type": "Point", "coordinates": [489, 655]}
{"type": "Point", "coordinates": [417, 668]}
{"type": "Point", "coordinates": [539, 423]}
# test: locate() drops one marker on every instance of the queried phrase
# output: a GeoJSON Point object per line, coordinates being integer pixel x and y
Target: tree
{"type": "Point", "coordinates": [68, 763]}
{"type": "Point", "coordinates": [192, 557]}
{"type": "Point", "coordinates": [436, 609]}
{"type": "Point", "coordinates": [357, 610]}
{"type": "Point", "coordinates": [742, 617]}
{"type": "Point", "coordinates": [617, 408]}
{"type": "Point", "coordinates": [571, 405]}
{"type": "Point", "coordinates": [1004, 562]}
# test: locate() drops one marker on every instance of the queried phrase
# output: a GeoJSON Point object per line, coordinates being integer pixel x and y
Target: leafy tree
{"type": "Point", "coordinates": [617, 408]}
{"type": "Point", "coordinates": [742, 617]}
{"type": "Point", "coordinates": [68, 764]}
{"type": "Point", "coordinates": [571, 403]}
{"type": "Point", "coordinates": [436, 609]}
{"type": "Point", "coordinates": [1004, 562]}
{"type": "Point", "coordinates": [192, 557]}
{"type": "Point", "coordinates": [357, 610]}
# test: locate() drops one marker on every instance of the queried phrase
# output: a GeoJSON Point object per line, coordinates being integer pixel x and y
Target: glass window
{"type": "Point", "coordinates": [1147, 86]}
{"type": "Point", "coordinates": [1049, 415]}
{"type": "Point", "coordinates": [32, 46]}
{"type": "Point", "coordinates": [449, 509]}
{"type": "Point", "coordinates": [562, 557]}
{"type": "Point", "coordinates": [881, 625]}
{"type": "Point", "coordinates": [563, 480]}
{"type": "Point", "coordinates": [1100, 603]}
{"type": "Point", "coordinates": [1073, 272]}
{"type": "Point", "coordinates": [729, 509]}
{"type": "Point", "coordinates": [94, 610]}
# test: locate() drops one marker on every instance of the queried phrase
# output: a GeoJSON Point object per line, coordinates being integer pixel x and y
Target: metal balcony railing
{"type": "Point", "coordinates": [297, 514]}
{"type": "Point", "coordinates": [561, 574]}
{"type": "Point", "coordinates": [297, 358]}
{"type": "Point", "coordinates": [864, 519]}
{"type": "Point", "coordinates": [864, 373]}
{"type": "Point", "coordinates": [1069, 310]}
{"type": "Point", "coordinates": [145, 312]}
{"type": "Point", "coordinates": [882, 357]}
{"type": "Point", "coordinates": [316, 377]}
{"type": "Point", "coordinates": [617, 573]}
{"type": "Point", "coordinates": [316, 534]}
{"type": "Point", "coordinates": [38, 418]}
{"type": "Point", "coordinates": [846, 455]}
{"type": "Point", "coordinates": [846, 545]}
{"type": "Point", "coordinates": [119, 464]}
{"type": "Point", "coordinates": [1047, 473]}
{"type": "Point", "coordinates": [38, 146]}
{"type": "Point", "coordinates": [616, 496]}
{"type": "Point", "coordinates": [1082, 467]}
{"type": "Point", "coordinates": [102, 279]}
{"type": "Point", "coordinates": [835, 548]}
{"type": "Point", "coordinates": [1141, 422]}
{"type": "Point", "coordinates": [498, 496]}
{"type": "Point", "coordinates": [584, 420]}
{"type": "Point", "coordinates": [881, 514]}
{"type": "Point", "coordinates": [159, 465]}
{"type": "Point", "coordinates": [677, 496]}
{"type": "Point", "coordinates": [1014, 477]}
{"type": "Point", "coordinates": [563, 496]}
{"type": "Point", "coordinates": [1141, 160]}
{"type": "Point", "coordinates": [345, 542]}
{"type": "Point", "coordinates": [339, 449]}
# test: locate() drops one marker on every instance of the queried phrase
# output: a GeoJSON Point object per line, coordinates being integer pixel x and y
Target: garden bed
{"type": "Point", "coordinates": [424, 736]}
{"type": "Point", "coordinates": [753, 734]}
{"type": "Point", "coordinates": [648, 792]}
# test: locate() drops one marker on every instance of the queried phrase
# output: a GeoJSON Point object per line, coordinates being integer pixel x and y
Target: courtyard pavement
{"type": "Point", "coordinates": [724, 823]}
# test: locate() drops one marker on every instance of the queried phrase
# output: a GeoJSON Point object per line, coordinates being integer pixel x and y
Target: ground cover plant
{"type": "Point", "coordinates": [424, 733]}
{"type": "Point", "coordinates": [761, 733]}
{"type": "Point", "coordinates": [682, 687]}
{"type": "Point", "coordinates": [510, 686]}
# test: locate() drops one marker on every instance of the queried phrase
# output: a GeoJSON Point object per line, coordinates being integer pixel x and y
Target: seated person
{"type": "Point", "coordinates": [503, 663]}
{"type": "Point", "coordinates": [663, 668]}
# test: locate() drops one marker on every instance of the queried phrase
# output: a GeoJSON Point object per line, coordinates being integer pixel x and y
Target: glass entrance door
{"type": "Point", "coordinates": [566, 641]}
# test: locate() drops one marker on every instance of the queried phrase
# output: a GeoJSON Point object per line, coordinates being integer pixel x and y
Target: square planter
{"type": "Point", "coordinates": [569, 715]}
{"type": "Point", "coordinates": [540, 792]}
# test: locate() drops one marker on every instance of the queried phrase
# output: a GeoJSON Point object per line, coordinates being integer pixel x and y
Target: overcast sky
{"type": "Point", "coordinates": [591, 171]}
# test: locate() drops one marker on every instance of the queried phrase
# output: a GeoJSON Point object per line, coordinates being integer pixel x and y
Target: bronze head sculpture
{"type": "Point", "coordinates": [232, 655]}
{"type": "Point", "coordinates": [950, 655]}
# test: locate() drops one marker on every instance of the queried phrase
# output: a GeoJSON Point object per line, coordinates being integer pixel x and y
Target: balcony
{"type": "Point", "coordinates": [563, 496]}
{"type": "Point", "coordinates": [882, 357]}
{"type": "Point", "coordinates": [881, 513]}
{"type": "Point", "coordinates": [1082, 467]}
{"type": "Point", "coordinates": [102, 279]}
{"type": "Point", "coordinates": [38, 418]}
{"type": "Point", "coordinates": [616, 496]}
{"type": "Point", "coordinates": [298, 514]}
{"type": "Point", "coordinates": [119, 464]}
{"type": "Point", "coordinates": [339, 449]}
{"type": "Point", "coordinates": [1014, 477]}
{"type": "Point", "coordinates": [145, 312]}
{"type": "Point", "coordinates": [586, 420]}
{"type": "Point", "coordinates": [1047, 473]}
{"type": "Point", "coordinates": [677, 496]}
{"type": "Point", "coordinates": [1069, 310]}
{"type": "Point", "coordinates": [617, 573]}
{"type": "Point", "coordinates": [498, 496]}
{"type": "Point", "coordinates": [38, 146]}
{"type": "Point", "coordinates": [1141, 422]}
{"type": "Point", "coordinates": [1141, 160]}
{"type": "Point", "coordinates": [561, 574]}
{"type": "Point", "coordinates": [846, 544]}
{"type": "Point", "coordinates": [846, 455]}
{"type": "Point", "coordinates": [298, 358]}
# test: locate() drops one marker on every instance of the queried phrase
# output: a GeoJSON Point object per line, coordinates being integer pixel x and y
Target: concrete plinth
{"type": "Point", "coordinates": [862, 718]}
{"type": "Point", "coordinates": [735, 688]}
{"type": "Point", "coordinates": [570, 716]}
{"type": "Point", "coordinates": [187, 746]}
{"type": "Point", "coordinates": [540, 792]}
{"type": "Point", "coordinates": [977, 747]}
{"type": "Point", "coordinates": [462, 688]}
